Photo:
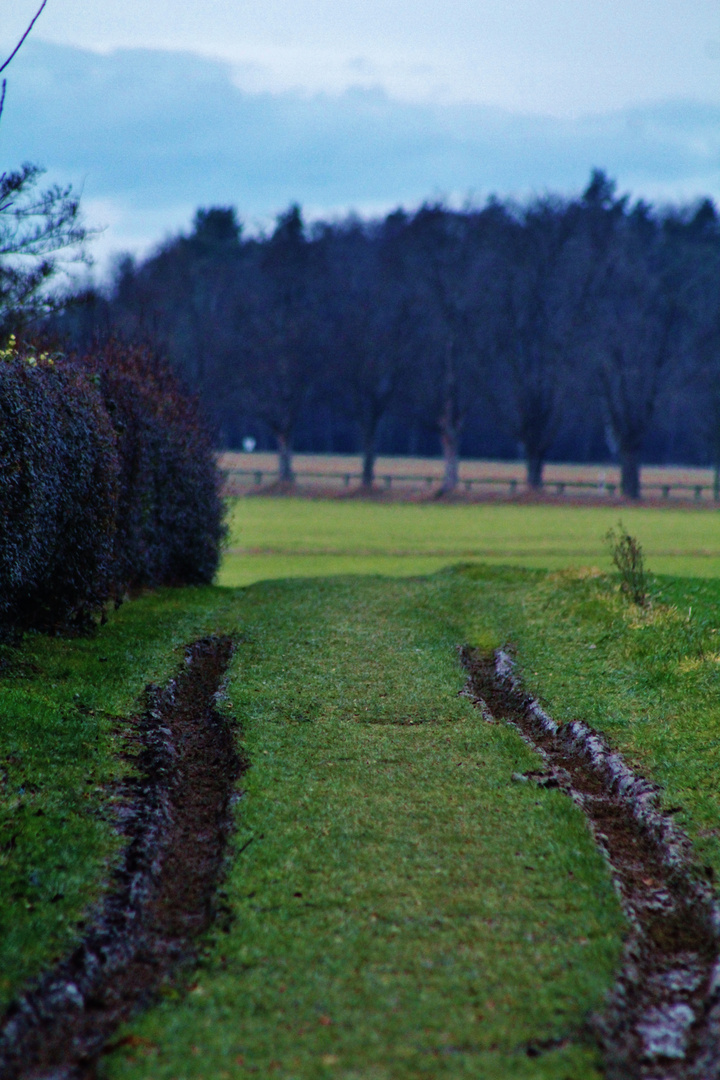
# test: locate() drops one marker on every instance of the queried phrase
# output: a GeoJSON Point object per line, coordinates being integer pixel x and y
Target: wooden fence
{"type": "Point", "coordinates": [249, 479]}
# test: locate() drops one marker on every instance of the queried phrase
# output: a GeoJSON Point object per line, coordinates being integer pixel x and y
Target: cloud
{"type": "Point", "coordinates": [559, 57]}
{"type": "Point", "coordinates": [151, 134]}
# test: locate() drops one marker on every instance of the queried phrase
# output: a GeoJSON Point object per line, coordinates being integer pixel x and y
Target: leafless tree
{"type": "Point", "coordinates": [640, 319]}
{"type": "Point", "coordinates": [541, 284]}
{"type": "Point", "coordinates": [697, 232]}
{"type": "Point", "coordinates": [368, 352]}
{"type": "Point", "coordinates": [281, 353]}
{"type": "Point", "coordinates": [446, 269]}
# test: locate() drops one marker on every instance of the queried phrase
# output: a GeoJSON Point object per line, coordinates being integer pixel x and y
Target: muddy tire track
{"type": "Point", "coordinates": [176, 815]}
{"type": "Point", "coordinates": [662, 1020]}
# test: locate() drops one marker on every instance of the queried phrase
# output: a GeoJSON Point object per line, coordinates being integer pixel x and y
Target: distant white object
{"type": "Point", "coordinates": [249, 444]}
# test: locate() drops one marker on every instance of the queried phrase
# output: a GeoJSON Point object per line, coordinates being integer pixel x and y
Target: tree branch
{"type": "Point", "coordinates": [17, 48]}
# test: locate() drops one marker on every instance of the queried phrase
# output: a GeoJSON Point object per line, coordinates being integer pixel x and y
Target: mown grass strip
{"type": "Point", "coordinates": [402, 908]}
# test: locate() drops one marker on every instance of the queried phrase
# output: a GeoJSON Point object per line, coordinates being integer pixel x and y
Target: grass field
{"type": "Point", "coordinates": [285, 537]}
{"type": "Point", "coordinates": [401, 909]}
{"type": "Point", "coordinates": [404, 909]}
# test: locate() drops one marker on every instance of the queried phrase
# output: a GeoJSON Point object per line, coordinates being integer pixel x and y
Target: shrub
{"type": "Point", "coordinates": [170, 514]}
{"type": "Point", "coordinates": [107, 482]}
{"type": "Point", "coordinates": [58, 495]}
{"type": "Point", "coordinates": [627, 555]}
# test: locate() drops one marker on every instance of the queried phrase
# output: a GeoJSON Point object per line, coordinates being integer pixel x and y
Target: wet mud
{"type": "Point", "coordinates": [176, 816]}
{"type": "Point", "coordinates": [662, 1019]}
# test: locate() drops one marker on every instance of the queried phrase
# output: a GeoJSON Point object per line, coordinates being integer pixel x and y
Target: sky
{"type": "Point", "coordinates": [365, 103]}
{"type": "Point", "coordinates": [562, 57]}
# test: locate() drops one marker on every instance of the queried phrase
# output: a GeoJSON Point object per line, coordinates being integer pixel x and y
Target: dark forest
{"type": "Point", "coordinates": [576, 329]}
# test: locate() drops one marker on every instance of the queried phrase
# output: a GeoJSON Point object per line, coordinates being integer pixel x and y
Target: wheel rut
{"type": "Point", "coordinates": [662, 1019]}
{"type": "Point", "coordinates": [176, 816]}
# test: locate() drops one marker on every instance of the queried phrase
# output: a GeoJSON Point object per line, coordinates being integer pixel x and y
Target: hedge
{"type": "Point", "coordinates": [107, 483]}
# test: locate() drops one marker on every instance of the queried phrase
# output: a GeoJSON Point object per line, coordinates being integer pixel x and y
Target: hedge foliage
{"type": "Point", "coordinates": [107, 483]}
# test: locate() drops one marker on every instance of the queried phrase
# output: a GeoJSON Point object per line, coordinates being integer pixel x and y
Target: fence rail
{"type": "Point", "coordinates": [255, 478]}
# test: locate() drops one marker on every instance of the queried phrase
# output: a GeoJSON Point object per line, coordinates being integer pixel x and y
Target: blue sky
{"type": "Point", "coordinates": [156, 108]}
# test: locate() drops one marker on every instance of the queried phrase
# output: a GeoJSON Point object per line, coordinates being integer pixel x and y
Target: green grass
{"type": "Point", "coordinates": [403, 908]}
{"type": "Point", "coordinates": [284, 537]}
{"type": "Point", "coordinates": [60, 735]}
{"type": "Point", "coordinates": [649, 678]}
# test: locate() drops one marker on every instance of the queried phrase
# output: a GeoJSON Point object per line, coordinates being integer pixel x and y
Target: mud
{"type": "Point", "coordinates": [662, 1020]}
{"type": "Point", "coordinates": [176, 816]}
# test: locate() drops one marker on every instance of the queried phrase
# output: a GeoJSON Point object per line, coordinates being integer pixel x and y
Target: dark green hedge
{"type": "Point", "coordinates": [107, 483]}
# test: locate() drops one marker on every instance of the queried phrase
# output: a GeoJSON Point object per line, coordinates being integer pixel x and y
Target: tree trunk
{"type": "Point", "coordinates": [534, 465]}
{"type": "Point", "coordinates": [369, 455]}
{"type": "Point", "coordinates": [450, 439]}
{"type": "Point", "coordinates": [450, 422]}
{"type": "Point", "coordinates": [630, 473]}
{"type": "Point", "coordinates": [286, 474]}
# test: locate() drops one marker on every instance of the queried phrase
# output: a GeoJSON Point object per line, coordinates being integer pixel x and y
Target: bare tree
{"type": "Point", "coordinates": [368, 352]}
{"type": "Point", "coordinates": [281, 351]}
{"type": "Point", "coordinates": [192, 283]}
{"type": "Point", "coordinates": [639, 330]}
{"type": "Point", "coordinates": [445, 268]}
{"type": "Point", "coordinates": [698, 231]}
{"type": "Point", "coordinates": [541, 285]}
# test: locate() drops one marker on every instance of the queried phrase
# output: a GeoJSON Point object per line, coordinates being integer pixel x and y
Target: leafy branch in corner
{"type": "Point", "coordinates": [36, 226]}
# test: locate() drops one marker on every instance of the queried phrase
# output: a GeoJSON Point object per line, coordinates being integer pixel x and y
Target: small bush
{"type": "Point", "coordinates": [627, 555]}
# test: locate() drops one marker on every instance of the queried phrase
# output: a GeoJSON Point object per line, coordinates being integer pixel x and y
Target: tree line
{"type": "Point", "coordinates": [583, 328]}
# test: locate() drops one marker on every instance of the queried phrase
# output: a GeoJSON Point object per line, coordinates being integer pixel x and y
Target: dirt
{"type": "Point", "coordinates": [176, 816]}
{"type": "Point", "coordinates": [662, 1019]}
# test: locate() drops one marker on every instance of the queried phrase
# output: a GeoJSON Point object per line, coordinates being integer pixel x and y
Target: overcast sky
{"type": "Point", "coordinates": [558, 57]}
{"type": "Point", "coordinates": [362, 104]}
